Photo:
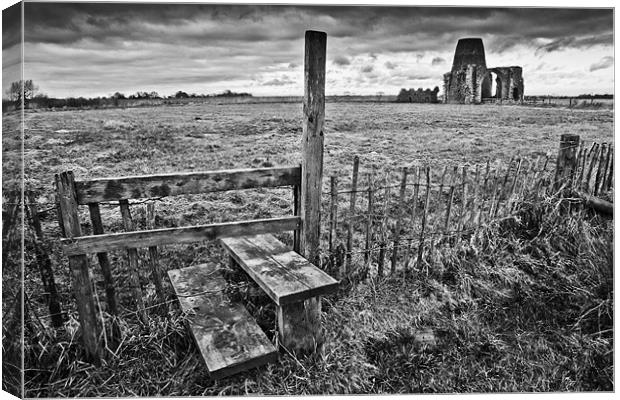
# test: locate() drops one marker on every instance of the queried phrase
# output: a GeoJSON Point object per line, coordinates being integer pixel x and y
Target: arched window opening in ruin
{"type": "Point", "coordinates": [487, 86]}
{"type": "Point", "coordinates": [410, 99]}
{"type": "Point", "coordinates": [515, 94]}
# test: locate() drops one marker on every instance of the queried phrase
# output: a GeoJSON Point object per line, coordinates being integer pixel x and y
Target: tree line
{"type": "Point", "coordinates": [25, 92]}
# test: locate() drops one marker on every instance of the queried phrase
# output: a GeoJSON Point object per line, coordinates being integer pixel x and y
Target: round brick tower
{"type": "Point", "coordinates": [469, 51]}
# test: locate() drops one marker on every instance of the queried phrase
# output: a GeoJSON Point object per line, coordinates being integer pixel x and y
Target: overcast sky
{"type": "Point", "coordinates": [97, 49]}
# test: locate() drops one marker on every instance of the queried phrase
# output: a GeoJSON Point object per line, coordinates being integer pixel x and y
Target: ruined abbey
{"type": "Point", "coordinates": [470, 81]}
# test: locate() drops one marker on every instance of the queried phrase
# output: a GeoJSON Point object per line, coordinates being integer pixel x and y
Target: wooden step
{"type": "Point", "coordinates": [283, 274]}
{"type": "Point", "coordinates": [229, 339]}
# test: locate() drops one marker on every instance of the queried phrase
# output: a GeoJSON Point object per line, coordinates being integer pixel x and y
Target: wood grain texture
{"type": "Point", "coordinates": [283, 274]}
{"type": "Point", "coordinates": [154, 256]}
{"type": "Point", "coordinates": [104, 262]}
{"type": "Point", "coordinates": [356, 166]}
{"type": "Point", "coordinates": [229, 340]}
{"type": "Point", "coordinates": [135, 187]}
{"type": "Point", "coordinates": [78, 264]}
{"type": "Point", "coordinates": [134, 270]}
{"type": "Point", "coordinates": [566, 163]}
{"type": "Point", "coordinates": [190, 234]}
{"type": "Point", "coordinates": [312, 142]}
{"type": "Point", "coordinates": [397, 229]}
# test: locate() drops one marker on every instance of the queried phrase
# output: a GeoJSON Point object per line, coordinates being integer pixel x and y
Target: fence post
{"type": "Point", "coordinates": [356, 165]}
{"type": "Point", "coordinates": [333, 217]}
{"type": "Point", "coordinates": [567, 159]}
{"type": "Point", "coordinates": [299, 323]}
{"type": "Point", "coordinates": [82, 287]}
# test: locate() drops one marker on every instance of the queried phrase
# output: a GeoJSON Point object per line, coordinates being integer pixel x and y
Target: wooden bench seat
{"type": "Point", "coordinates": [229, 339]}
{"type": "Point", "coordinates": [283, 274]}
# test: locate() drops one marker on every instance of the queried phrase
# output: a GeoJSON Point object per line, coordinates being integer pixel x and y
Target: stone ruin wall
{"type": "Point", "coordinates": [418, 96]}
{"type": "Point", "coordinates": [470, 82]}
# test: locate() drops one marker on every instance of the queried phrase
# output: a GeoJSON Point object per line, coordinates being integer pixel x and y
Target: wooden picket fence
{"type": "Point", "coordinates": [372, 222]}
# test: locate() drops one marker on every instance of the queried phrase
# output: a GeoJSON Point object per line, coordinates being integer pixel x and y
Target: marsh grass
{"type": "Point", "coordinates": [524, 304]}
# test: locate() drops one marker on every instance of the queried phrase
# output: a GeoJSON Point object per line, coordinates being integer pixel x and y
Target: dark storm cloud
{"type": "Point", "coordinates": [66, 23]}
{"type": "Point", "coordinates": [605, 62]}
{"type": "Point", "coordinates": [438, 61]}
{"type": "Point", "coordinates": [11, 26]}
{"type": "Point", "coordinates": [574, 42]}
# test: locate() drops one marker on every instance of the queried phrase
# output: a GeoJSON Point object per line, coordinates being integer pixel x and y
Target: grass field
{"type": "Point", "coordinates": [522, 306]}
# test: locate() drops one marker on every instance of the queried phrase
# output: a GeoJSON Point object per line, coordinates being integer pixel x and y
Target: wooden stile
{"type": "Point", "coordinates": [401, 203]}
{"type": "Point", "coordinates": [82, 286]}
{"type": "Point", "coordinates": [132, 254]}
{"type": "Point", "coordinates": [356, 164]}
{"type": "Point", "coordinates": [102, 257]}
{"type": "Point", "coordinates": [154, 256]}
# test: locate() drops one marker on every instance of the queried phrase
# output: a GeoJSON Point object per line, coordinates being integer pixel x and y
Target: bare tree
{"type": "Point", "coordinates": [21, 90]}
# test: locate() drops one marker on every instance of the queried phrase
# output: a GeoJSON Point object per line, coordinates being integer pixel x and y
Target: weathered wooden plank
{"type": "Point", "coordinates": [567, 159]}
{"type": "Point", "coordinates": [159, 237]}
{"type": "Point", "coordinates": [229, 340]}
{"type": "Point", "coordinates": [356, 165]}
{"type": "Point", "coordinates": [368, 245]}
{"type": "Point", "coordinates": [610, 173]}
{"type": "Point", "coordinates": [600, 169]}
{"type": "Point", "coordinates": [283, 274]}
{"type": "Point", "coordinates": [424, 212]}
{"type": "Point", "coordinates": [104, 262]}
{"type": "Point", "coordinates": [401, 203]}
{"type": "Point", "coordinates": [134, 187]}
{"type": "Point", "coordinates": [78, 264]}
{"type": "Point", "coordinates": [461, 218]}
{"type": "Point", "coordinates": [586, 183]}
{"type": "Point", "coordinates": [132, 255]}
{"type": "Point", "coordinates": [154, 256]}
{"type": "Point", "coordinates": [43, 260]}
{"type": "Point", "coordinates": [605, 168]}
{"type": "Point", "coordinates": [333, 212]}
{"type": "Point", "coordinates": [312, 142]}
{"type": "Point", "coordinates": [414, 206]}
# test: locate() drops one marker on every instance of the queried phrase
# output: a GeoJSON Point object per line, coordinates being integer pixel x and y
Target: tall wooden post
{"type": "Point", "coordinates": [567, 159]}
{"type": "Point", "coordinates": [82, 288]}
{"type": "Point", "coordinates": [299, 323]}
